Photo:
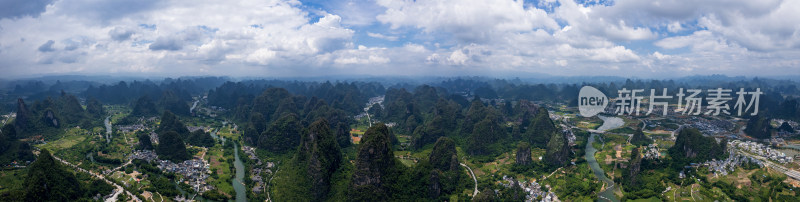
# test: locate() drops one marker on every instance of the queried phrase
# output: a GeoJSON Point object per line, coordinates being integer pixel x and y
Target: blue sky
{"type": "Point", "coordinates": [289, 38]}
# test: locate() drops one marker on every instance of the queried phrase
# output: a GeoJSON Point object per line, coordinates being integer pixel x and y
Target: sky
{"type": "Point", "coordinates": [289, 38]}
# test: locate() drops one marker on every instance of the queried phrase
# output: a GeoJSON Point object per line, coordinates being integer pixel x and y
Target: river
{"type": "Point", "coordinates": [608, 193]}
{"type": "Point", "coordinates": [238, 181]}
{"type": "Point", "coordinates": [193, 106]}
{"type": "Point", "coordinates": [108, 129]}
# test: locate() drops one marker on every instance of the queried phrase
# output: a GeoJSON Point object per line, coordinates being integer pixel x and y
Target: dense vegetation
{"type": "Point", "coordinates": [305, 126]}
{"type": "Point", "coordinates": [308, 175]}
{"type": "Point", "coordinates": [692, 147]}
{"type": "Point", "coordinates": [171, 147]}
{"type": "Point", "coordinates": [48, 180]}
{"type": "Point", "coordinates": [758, 127]}
{"type": "Point", "coordinates": [11, 149]}
{"type": "Point", "coordinates": [45, 117]}
{"type": "Point", "coordinates": [379, 176]}
{"type": "Point", "coordinates": [639, 139]}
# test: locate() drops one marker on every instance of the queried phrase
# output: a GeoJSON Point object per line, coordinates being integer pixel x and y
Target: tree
{"type": "Point", "coordinates": [48, 181]}
{"type": "Point", "coordinates": [267, 103]}
{"type": "Point", "coordinates": [475, 113]}
{"type": "Point", "coordinates": [485, 134]}
{"type": "Point", "coordinates": [171, 147]}
{"type": "Point", "coordinates": [375, 111]}
{"type": "Point", "coordinates": [170, 122]}
{"type": "Point", "coordinates": [487, 195]}
{"type": "Point", "coordinates": [95, 108]}
{"type": "Point", "coordinates": [171, 102]}
{"type": "Point", "coordinates": [428, 133]}
{"type": "Point", "coordinates": [786, 127]}
{"type": "Point", "coordinates": [144, 142]}
{"type": "Point", "coordinates": [23, 124]}
{"type": "Point", "coordinates": [692, 147]}
{"type": "Point", "coordinates": [200, 138]}
{"type": "Point", "coordinates": [258, 121]}
{"type": "Point", "coordinates": [639, 139]}
{"type": "Point", "coordinates": [445, 174]}
{"type": "Point", "coordinates": [342, 130]}
{"type": "Point", "coordinates": [758, 127]}
{"type": "Point", "coordinates": [11, 148]}
{"type": "Point", "coordinates": [144, 107]}
{"type": "Point", "coordinates": [317, 158]}
{"type": "Point", "coordinates": [541, 130]}
{"type": "Point", "coordinates": [70, 110]}
{"type": "Point", "coordinates": [286, 106]}
{"type": "Point", "coordinates": [444, 156]}
{"type": "Point", "coordinates": [375, 164]}
{"type": "Point", "coordinates": [558, 150]}
{"type": "Point", "coordinates": [523, 154]}
{"type": "Point", "coordinates": [282, 135]}
{"type": "Point", "coordinates": [425, 96]}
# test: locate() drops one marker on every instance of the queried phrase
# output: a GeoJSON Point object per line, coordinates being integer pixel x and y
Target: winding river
{"type": "Point", "coordinates": [238, 181]}
{"type": "Point", "coordinates": [108, 129]}
{"type": "Point", "coordinates": [193, 106]}
{"type": "Point", "coordinates": [608, 193]}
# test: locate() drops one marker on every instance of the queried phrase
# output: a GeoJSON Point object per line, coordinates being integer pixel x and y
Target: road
{"type": "Point", "coordinates": [788, 172]}
{"type": "Point", "coordinates": [119, 167]}
{"type": "Point", "coordinates": [108, 129]}
{"type": "Point", "coordinates": [474, 193]}
{"type": "Point", "coordinates": [269, 184]}
{"type": "Point", "coordinates": [99, 176]}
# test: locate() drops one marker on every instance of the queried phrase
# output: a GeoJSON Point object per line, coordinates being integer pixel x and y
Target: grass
{"type": "Point", "coordinates": [229, 133]}
{"type": "Point", "coordinates": [403, 138]}
{"type": "Point", "coordinates": [12, 179]}
{"type": "Point", "coordinates": [70, 138]}
{"type": "Point", "coordinates": [588, 125]}
{"type": "Point", "coordinates": [407, 162]}
{"type": "Point", "coordinates": [216, 158]}
{"type": "Point", "coordinates": [623, 130]}
{"type": "Point", "coordinates": [358, 132]}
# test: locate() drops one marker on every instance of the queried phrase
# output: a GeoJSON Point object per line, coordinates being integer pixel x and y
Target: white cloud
{"type": "Point", "coordinates": [675, 27]}
{"type": "Point", "coordinates": [381, 36]}
{"type": "Point", "coordinates": [471, 21]}
{"type": "Point", "coordinates": [284, 37]}
{"type": "Point", "coordinates": [17, 9]}
{"type": "Point", "coordinates": [218, 35]}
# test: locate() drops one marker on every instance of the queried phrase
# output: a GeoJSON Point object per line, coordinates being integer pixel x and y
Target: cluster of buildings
{"type": "Point", "coordinates": [147, 155]}
{"type": "Point", "coordinates": [570, 136]}
{"type": "Point", "coordinates": [373, 101]}
{"type": "Point", "coordinates": [131, 128]}
{"type": "Point", "coordinates": [15, 164]}
{"type": "Point", "coordinates": [712, 126]}
{"type": "Point", "coordinates": [195, 128]}
{"type": "Point", "coordinates": [723, 167]}
{"type": "Point", "coordinates": [255, 174]}
{"type": "Point", "coordinates": [8, 117]}
{"type": "Point", "coordinates": [651, 152]}
{"type": "Point", "coordinates": [776, 141]}
{"type": "Point", "coordinates": [761, 150]}
{"type": "Point", "coordinates": [153, 137]}
{"type": "Point", "coordinates": [194, 172]}
{"type": "Point", "coordinates": [533, 190]}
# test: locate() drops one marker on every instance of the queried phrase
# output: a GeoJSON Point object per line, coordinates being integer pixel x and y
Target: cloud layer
{"type": "Point", "coordinates": [391, 37]}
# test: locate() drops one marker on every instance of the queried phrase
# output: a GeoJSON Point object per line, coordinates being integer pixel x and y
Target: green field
{"type": "Point", "coordinates": [222, 176]}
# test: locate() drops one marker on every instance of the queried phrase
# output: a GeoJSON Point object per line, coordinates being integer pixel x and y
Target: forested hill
{"type": "Point", "coordinates": [779, 98]}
